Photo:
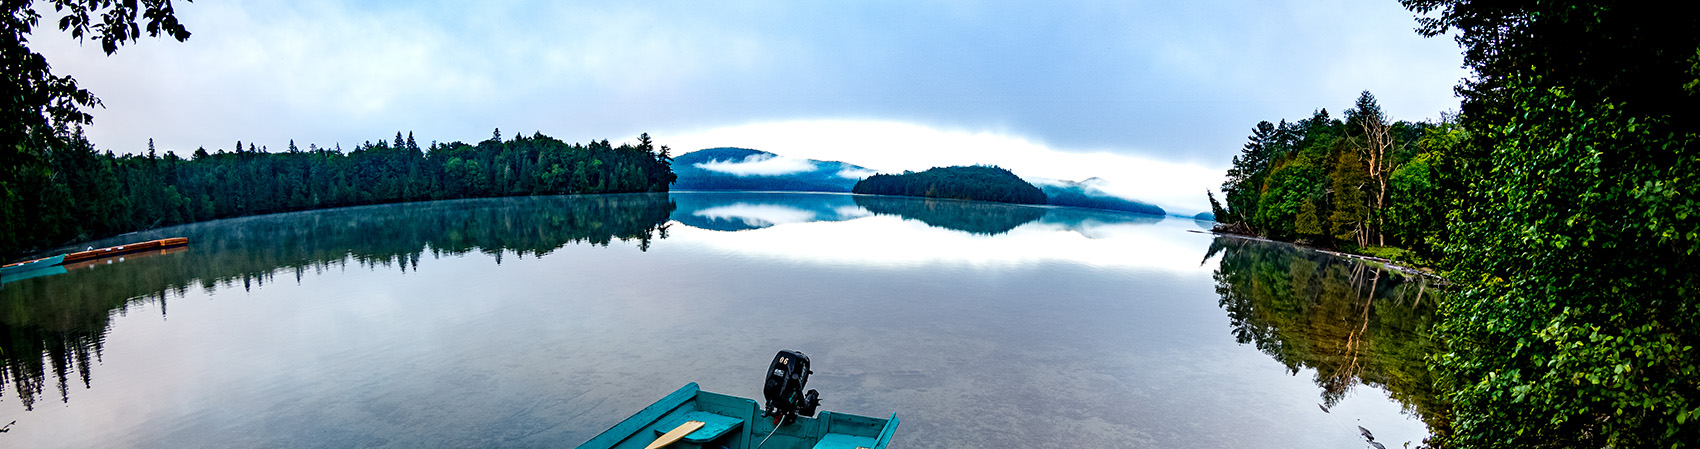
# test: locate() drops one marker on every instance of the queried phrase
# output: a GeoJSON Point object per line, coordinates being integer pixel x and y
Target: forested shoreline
{"type": "Point", "coordinates": [1365, 184]}
{"type": "Point", "coordinates": [75, 193]}
{"type": "Point", "coordinates": [1559, 201]}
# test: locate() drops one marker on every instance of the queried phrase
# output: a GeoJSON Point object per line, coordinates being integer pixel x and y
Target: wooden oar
{"type": "Point", "coordinates": [675, 434]}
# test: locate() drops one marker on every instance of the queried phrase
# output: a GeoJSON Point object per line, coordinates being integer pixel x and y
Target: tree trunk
{"type": "Point", "coordinates": [1377, 140]}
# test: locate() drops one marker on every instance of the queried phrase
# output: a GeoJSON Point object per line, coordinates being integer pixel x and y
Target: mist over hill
{"type": "Point", "coordinates": [744, 169]}
{"type": "Point", "coordinates": [1090, 194]}
{"type": "Point", "coordinates": [755, 170]}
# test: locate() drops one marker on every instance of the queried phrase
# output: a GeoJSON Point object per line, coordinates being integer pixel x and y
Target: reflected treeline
{"type": "Point", "coordinates": [52, 328]}
{"type": "Point", "coordinates": [973, 217]}
{"type": "Point", "coordinates": [740, 211]}
{"type": "Point", "coordinates": [1350, 321]}
{"type": "Point", "coordinates": [1087, 221]}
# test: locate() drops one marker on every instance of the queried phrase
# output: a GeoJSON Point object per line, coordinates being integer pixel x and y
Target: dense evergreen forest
{"type": "Point", "coordinates": [77, 193]}
{"type": "Point", "coordinates": [1560, 200]}
{"type": "Point", "coordinates": [977, 183]}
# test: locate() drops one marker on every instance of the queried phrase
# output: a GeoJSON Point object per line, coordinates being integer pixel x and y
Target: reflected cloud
{"type": "Point", "coordinates": [757, 215]}
{"type": "Point", "coordinates": [738, 211]}
{"type": "Point", "coordinates": [742, 211]}
{"type": "Point", "coordinates": [852, 212]}
{"type": "Point", "coordinates": [894, 242]}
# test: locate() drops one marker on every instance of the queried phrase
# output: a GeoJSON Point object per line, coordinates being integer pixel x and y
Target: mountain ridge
{"type": "Point", "coordinates": [745, 169]}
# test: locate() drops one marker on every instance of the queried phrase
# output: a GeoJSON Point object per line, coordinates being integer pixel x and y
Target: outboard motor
{"type": "Point", "coordinates": [784, 388]}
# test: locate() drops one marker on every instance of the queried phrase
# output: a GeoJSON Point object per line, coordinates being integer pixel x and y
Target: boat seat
{"type": "Point", "coordinates": [713, 426]}
{"type": "Point", "coordinates": [842, 441]}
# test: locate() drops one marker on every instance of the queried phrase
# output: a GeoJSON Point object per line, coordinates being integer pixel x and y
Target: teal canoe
{"type": "Point", "coordinates": [733, 422]}
{"type": "Point", "coordinates": [33, 265]}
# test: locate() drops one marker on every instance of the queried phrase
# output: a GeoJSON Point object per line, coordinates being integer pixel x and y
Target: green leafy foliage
{"type": "Point", "coordinates": [1577, 231]}
{"type": "Point", "coordinates": [1342, 184]}
{"type": "Point", "coordinates": [1579, 324]}
{"type": "Point", "coordinates": [976, 183]}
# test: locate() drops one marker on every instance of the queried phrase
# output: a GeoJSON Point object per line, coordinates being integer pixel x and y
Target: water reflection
{"type": "Point", "coordinates": [966, 216]}
{"type": "Point", "coordinates": [1347, 321]}
{"type": "Point", "coordinates": [1068, 328]}
{"type": "Point", "coordinates": [1093, 223]}
{"type": "Point", "coordinates": [53, 327]}
{"type": "Point", "coordinates": [741, 211]}
{"type": "Point", "coordinates": [863, 230]}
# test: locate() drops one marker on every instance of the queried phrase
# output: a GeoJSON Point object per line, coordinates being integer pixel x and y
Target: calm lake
{"type": "Point", "coordinates": [541, 321]}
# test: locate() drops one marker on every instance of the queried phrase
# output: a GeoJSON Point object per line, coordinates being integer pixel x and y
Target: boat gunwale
{"type": "Point", "coordinates": [628, 432]}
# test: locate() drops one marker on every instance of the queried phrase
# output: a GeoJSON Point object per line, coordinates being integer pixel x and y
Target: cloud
{"type": "Point", "coordinates": [1176, 81]}
{"type": "Point", "coordinates": [760, 165]}
{"type": "Point", "coordinates": [851, 173]}
{"type": "Point", "coordinates": [1042, 182]}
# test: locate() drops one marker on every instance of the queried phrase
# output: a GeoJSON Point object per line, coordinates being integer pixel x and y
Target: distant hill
{"type": "Point", "coordinates": [756, 170]}
{"type": "Point", "coordinates": [1087, 194]}
{"type": "Point", "coordinates": [744, 169]}
{"type": "Point", "coordinates": [976, 183]}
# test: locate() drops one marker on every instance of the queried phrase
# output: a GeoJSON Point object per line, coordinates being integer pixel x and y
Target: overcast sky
{"type": "Point", "coordinates": [1148, 95]}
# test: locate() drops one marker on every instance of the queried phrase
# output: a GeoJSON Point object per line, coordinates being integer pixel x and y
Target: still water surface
{"type": "Point", "coordinates": [539, 322]}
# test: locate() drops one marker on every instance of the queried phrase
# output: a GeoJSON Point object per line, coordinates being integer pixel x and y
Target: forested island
{"type": "Point", "coordinates": [974, 183]}
{"type": "Point", "coordinates": [75, 193]}
{"type": "Point", "coordinates": [1559, 202]}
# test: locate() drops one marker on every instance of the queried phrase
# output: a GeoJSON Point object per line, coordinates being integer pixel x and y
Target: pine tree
{"type": "Point", "coordinates": [1309, 223]}
{"type": "Point", "coordinates": [1348, 221]}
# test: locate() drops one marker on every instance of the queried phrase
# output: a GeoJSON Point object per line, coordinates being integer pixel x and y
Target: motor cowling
{"type": "Point", "coordinates": [783, 389]}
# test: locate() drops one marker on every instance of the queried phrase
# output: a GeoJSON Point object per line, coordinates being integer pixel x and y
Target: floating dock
{"type": "Point", "coordinates": [120, 250]}
{"type": "Point", "coordinates": [38, 267]}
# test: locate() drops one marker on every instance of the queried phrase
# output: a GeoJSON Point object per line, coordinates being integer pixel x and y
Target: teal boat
{"type": "Point", "coordinates": [20, 268]}
{"type": "Point", "coordinates": [692, 418]}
